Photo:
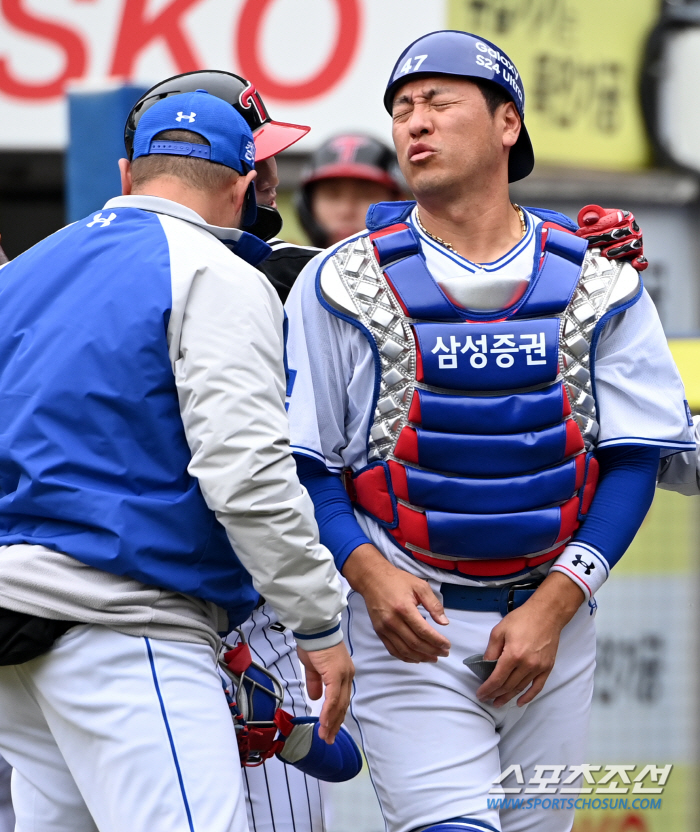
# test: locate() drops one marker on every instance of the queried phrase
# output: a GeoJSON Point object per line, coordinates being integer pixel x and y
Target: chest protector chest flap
{"type": "Point", "coordinates": [481, 447]}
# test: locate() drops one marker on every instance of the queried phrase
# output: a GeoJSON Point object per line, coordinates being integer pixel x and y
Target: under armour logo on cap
{"type": "Point", "coordinates": [227, 138]}
{"type": "Point", "coordinates": [103, 221]}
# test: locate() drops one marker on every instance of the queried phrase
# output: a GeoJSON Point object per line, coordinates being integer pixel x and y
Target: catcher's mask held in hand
{"type": "Point", "coordinates": [264, 729]}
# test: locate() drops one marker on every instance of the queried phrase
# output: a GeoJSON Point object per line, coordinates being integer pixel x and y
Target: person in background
{"type": "Point", "coordinates": [681, 472]}
{"type": "Point", "coordinates": [286, 260]}
{"type": "Point", "coordinates": [346, 175]}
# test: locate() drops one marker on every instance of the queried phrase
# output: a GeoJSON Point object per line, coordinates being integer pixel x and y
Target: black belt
{"type": "Point", "coordinates": [503, 599]}
{"type": "Point", "coordinates": [24, 637]}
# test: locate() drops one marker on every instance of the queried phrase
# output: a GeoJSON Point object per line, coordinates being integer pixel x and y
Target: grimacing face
{"type": "Point", "coordinates": [445, 136]}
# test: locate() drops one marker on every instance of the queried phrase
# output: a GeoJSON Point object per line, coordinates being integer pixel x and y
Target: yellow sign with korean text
{"type": "Point", "coordinates": [580, 63]}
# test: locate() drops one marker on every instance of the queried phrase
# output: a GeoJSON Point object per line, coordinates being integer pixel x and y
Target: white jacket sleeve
{"type": "Point", "coordinates": [681, 472]}
{"type": "Point", "coordinates": [226, 347]}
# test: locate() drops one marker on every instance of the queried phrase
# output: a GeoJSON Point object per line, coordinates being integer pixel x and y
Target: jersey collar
{"type": "Point", "coordinates": [244, 245]}
{"type": "Point", "coordinates": [504, 260]}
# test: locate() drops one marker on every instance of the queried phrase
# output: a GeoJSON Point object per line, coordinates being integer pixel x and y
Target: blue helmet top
{"type": "Point", "coordinates": [451, 52]}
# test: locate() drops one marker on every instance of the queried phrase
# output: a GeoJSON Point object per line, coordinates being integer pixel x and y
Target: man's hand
{"type": "Point", "coordinates": [392, 597]}
{"type": "Point", "coordinates": [333, 669]}
{"type": "Point", "coordinates": [525, 642]}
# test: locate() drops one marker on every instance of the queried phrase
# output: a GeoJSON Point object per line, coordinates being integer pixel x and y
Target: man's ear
{"type": "Point", "coordinates": [238, 192]}
{"type": "Point", "coordinates": [511, 124]}
{"type": "Point", "coordinates": [125, 173]}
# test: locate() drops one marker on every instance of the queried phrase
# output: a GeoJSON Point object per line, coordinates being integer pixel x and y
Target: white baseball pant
{"type": "Point", "coordinates": [434, 750]}
{"type": "Point", "coordinates": [115, 733]}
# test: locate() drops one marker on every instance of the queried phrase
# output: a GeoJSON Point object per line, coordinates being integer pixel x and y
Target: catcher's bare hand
{"type": "Point", "coordinates": [392, 597]}
{"type": "Point", "coordinates": [333, 670]}
{"type": "Point", "coordinates": [525, 642]}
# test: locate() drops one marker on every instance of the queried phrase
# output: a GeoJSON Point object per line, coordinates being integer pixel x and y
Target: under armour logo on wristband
{"type": "Point", "coordinates": [579, 561]}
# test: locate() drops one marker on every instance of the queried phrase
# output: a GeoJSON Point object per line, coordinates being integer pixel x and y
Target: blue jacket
{"type": "Point", "coordinates": [93, 454]}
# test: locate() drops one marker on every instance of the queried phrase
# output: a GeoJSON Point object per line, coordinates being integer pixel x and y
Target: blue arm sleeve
{"type": "Point", "coordinates": [337, 523]}
{"type": "Point", "coordinates": [623, 497]}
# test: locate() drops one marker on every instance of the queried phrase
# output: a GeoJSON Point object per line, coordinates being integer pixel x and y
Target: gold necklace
{"type": "Point", "coordinates": [450, 247]}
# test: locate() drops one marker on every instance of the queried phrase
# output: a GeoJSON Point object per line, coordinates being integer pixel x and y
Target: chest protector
{"type": "Point", "coordinates": [480, 452]}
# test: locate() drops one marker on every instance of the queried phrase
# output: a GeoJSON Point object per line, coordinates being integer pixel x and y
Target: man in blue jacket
{"type": "Point", "coordinates": [145, 477]}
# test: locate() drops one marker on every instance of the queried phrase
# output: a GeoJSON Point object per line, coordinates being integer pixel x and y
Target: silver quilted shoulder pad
{"type": "Point", "coordinates": [604, 285]}
{"type": "Point", "coordinates": [352, 282]}
{"type": "Point", "coordinates": [626, 286]}
{"type": "Point", "coordinates": [334, 290]}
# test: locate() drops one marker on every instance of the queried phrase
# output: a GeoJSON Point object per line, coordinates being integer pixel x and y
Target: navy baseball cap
{"type": "Point", "coordinates": [451, 52]}
{"type": "Point", "coordinates": [229, 136]}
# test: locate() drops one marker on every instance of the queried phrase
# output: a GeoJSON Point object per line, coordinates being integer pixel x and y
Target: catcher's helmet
{"type": "Point", "coordinates": [451, 52]}
{"type": "Point", "coordinates": [271, 137]}
{"type": "Point", "coordinates": [355, 156]}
